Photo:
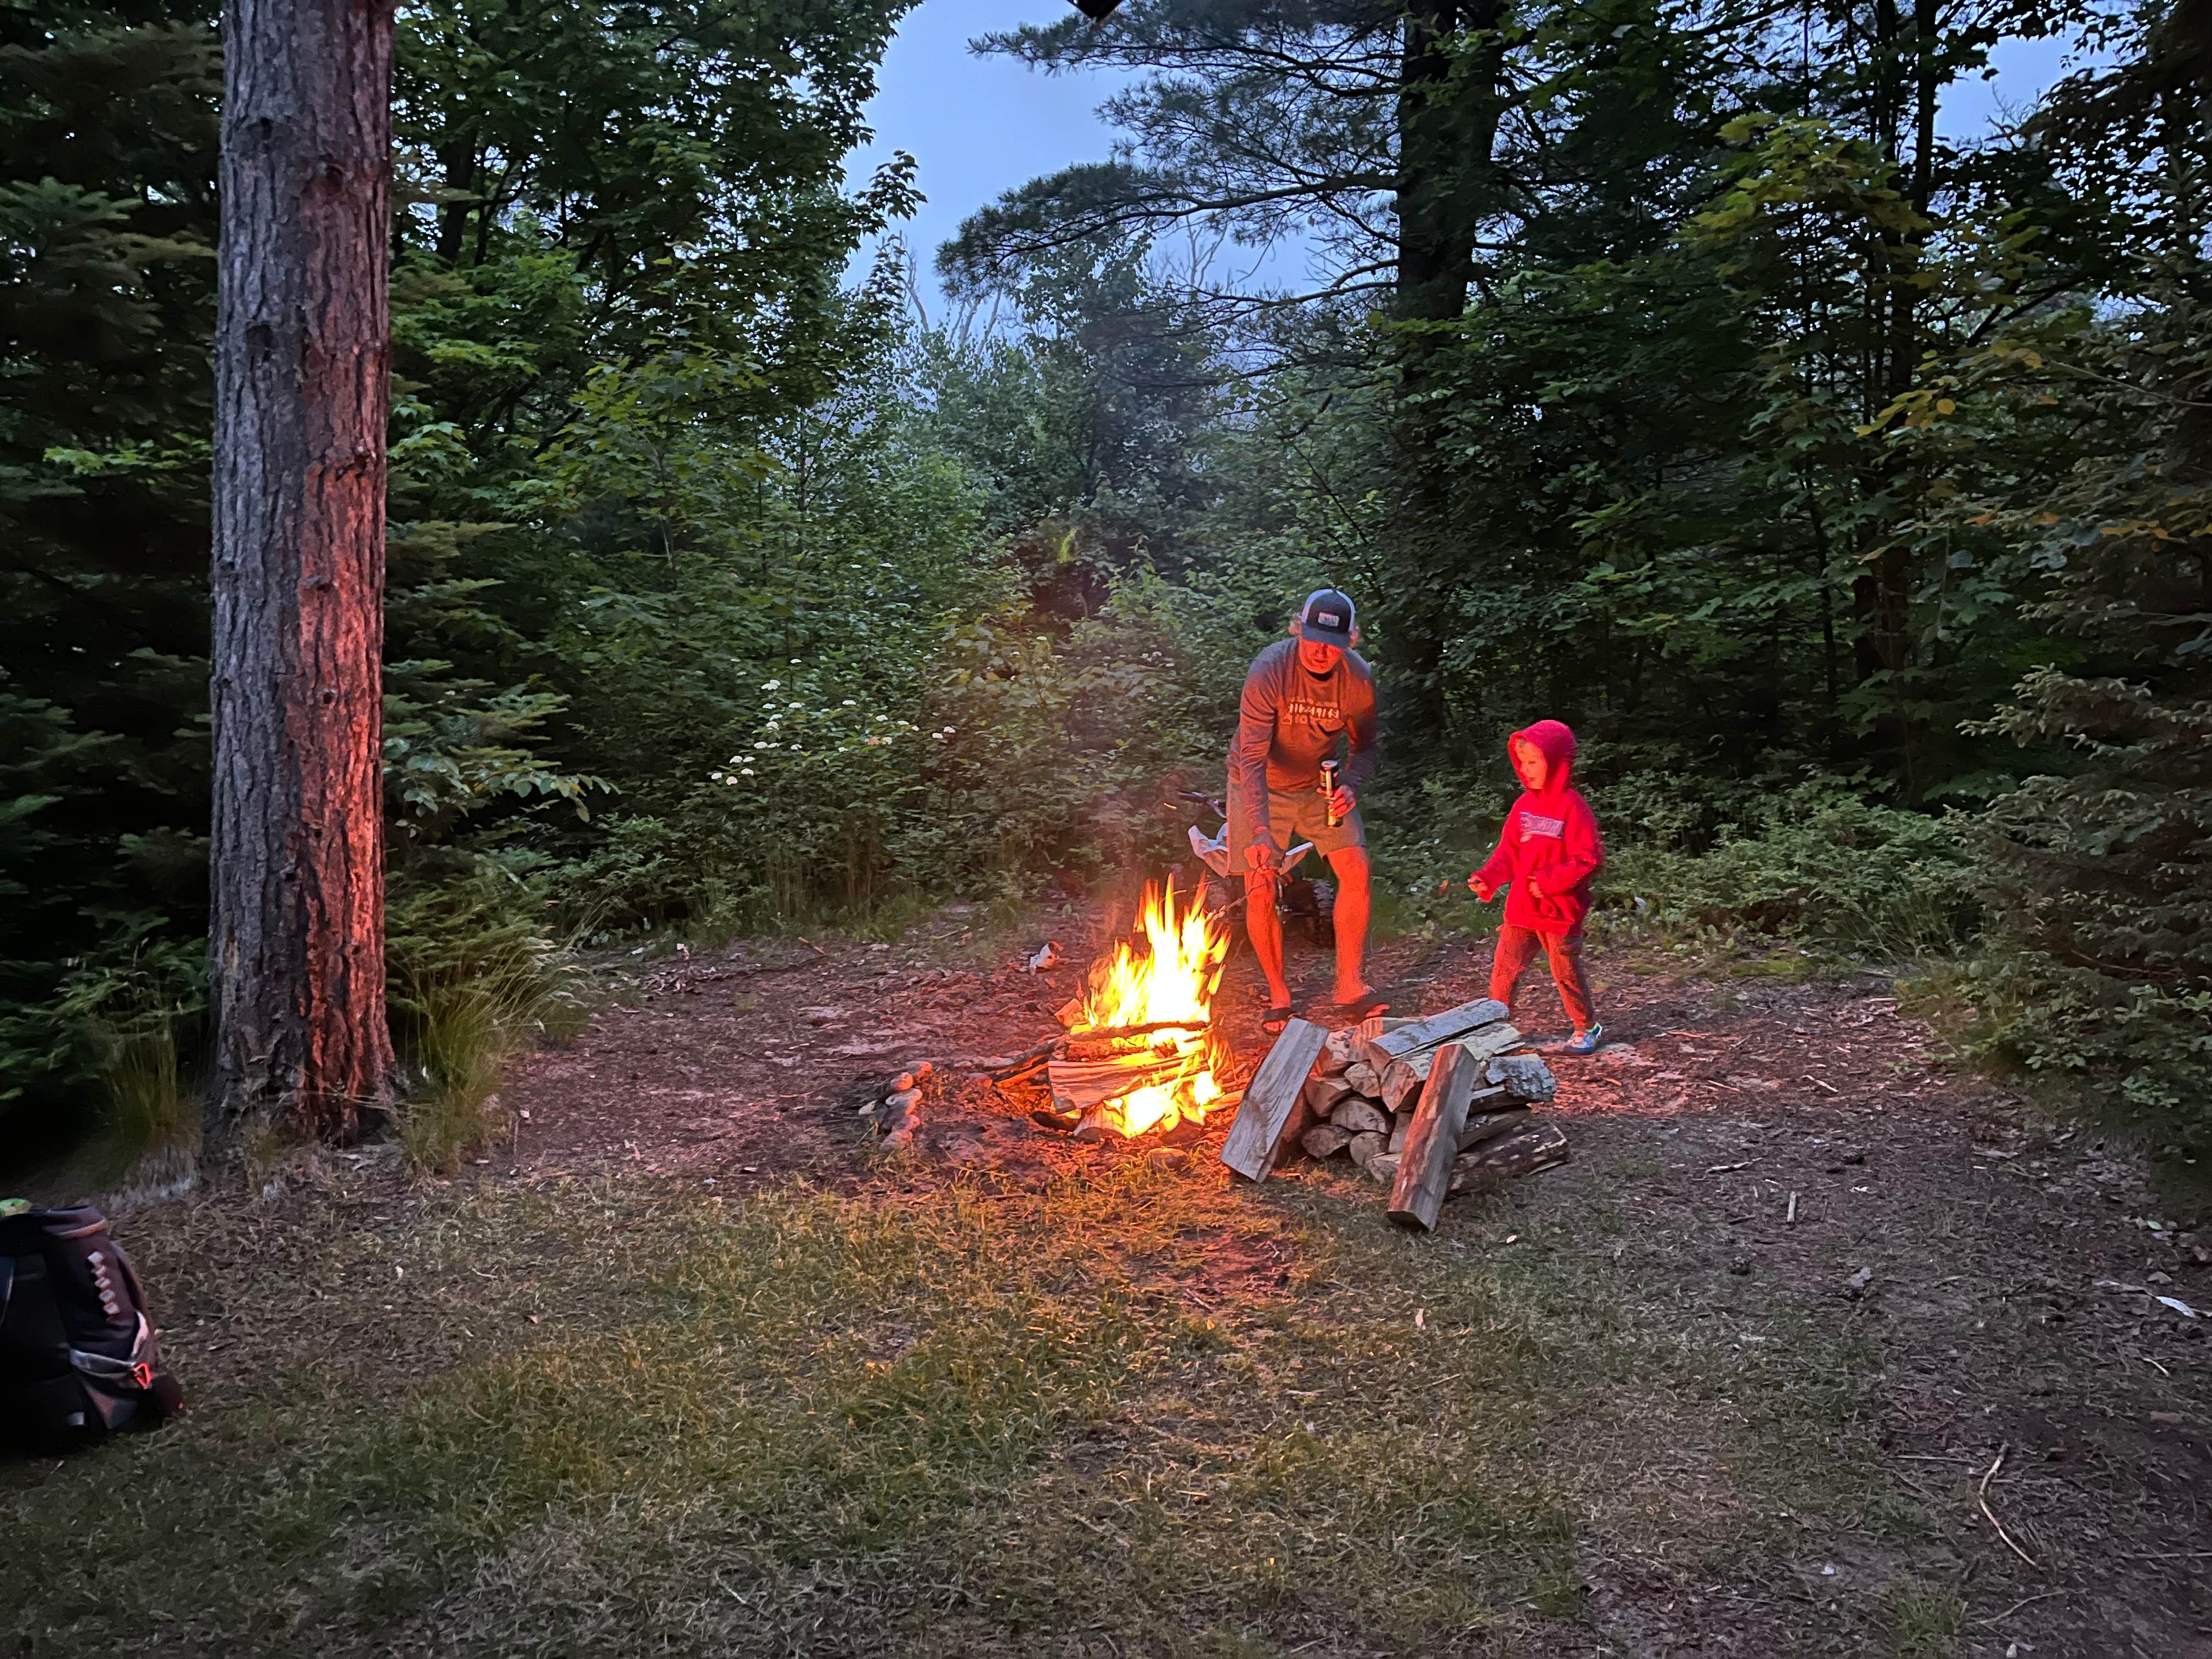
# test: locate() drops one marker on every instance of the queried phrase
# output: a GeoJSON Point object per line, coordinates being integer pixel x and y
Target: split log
{"type": "Point", "coordinates": [1364, 1078]}
{"type": "Point", "coordinates": [1488, 1126]}
{"type": "Point", "coordinates": [1325, 1093]}
{"type": "Point", "coordinates": [1368, 1146]}
{"type": "Point", "coordinates": [1403, 1077]}
{"type": "Point", "coordinates": [1325, 1140]}
{"type": "Point", "coordinates": [1525, 1075]}
{"type": "Point", "coordinates": [1425, 1168]}
{"type": "Point", "coordinates": [1077, 1083]}
{"type": "Point", "coordinates": [1070, 1013]}
{"type": "Point", "coordinates": [1410, 1039]}
{"type": "Point", "coordinates": [1385, 1167]}
{"type": "Point", "coordinates": [1471, 1176]}
{"type": "Point", "coordinates": [1400, 1123]}
{"type": "Point", "coordinates": [1337, 1053]}
{"type": "Point", "coordinates": [1539, 1147]}
{"type": "Point", "coordinates": [1157, 1027]}
{"type": "Point", "coordinates": [1268, 1118]}
{"type": "Point", "coordinates": [1360, 1115]}
{"type": "Point", "coordinates": [1498, 1098]}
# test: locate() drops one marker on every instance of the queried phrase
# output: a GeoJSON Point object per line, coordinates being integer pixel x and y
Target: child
{"type": "Point", "coordinates": [1549, 852]}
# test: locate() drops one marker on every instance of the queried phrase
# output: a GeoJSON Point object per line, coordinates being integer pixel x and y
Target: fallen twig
{"type": "Point", "coordinates": [1983, 1498]}
{"type": "Point", "coordinates": [1997, 1618]}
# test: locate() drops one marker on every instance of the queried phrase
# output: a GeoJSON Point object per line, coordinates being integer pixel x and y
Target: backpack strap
{"type": "Point", "coordinates": [135, 1372]}
{"type": "Point", "coordinates": [7, 1284]}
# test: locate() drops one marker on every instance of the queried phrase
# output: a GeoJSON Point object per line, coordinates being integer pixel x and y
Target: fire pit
{"type": "Point", "coordinates": [1140, 1053]}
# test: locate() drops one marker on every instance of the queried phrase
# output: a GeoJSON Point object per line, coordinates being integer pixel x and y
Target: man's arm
{"type": "Point", "coordinates": [1365, 740]}
{"type": "Point", "coordinates": [1248, 755]}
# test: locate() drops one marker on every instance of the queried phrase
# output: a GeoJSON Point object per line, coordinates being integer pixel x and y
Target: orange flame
{"type": "Point", "coordinates": [1172, 978]}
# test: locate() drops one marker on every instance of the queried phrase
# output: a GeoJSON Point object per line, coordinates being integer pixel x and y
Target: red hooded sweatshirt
{"type": "Point", "coordinates": [1551, 834]}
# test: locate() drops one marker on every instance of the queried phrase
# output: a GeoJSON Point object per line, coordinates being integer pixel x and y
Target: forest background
{"type": "Point", "coordinates": [1662, 369]}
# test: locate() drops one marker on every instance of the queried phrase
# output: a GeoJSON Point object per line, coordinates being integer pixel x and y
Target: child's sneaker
{"type": "Point", "coordinates": [1584, 1042]}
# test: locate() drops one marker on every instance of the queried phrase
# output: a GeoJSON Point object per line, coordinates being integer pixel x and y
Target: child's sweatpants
{"type": "Point", "coordinates": [1517, 948]}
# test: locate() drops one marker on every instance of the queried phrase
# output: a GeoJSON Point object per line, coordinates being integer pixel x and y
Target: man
{"type": "Point", "coordinates": [1306, 699]}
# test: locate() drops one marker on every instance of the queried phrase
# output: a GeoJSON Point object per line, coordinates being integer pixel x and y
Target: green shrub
{"type": "Point", "coordinates": [473, 981]}
{"type": "Point", "coordinates": [1819, 865]}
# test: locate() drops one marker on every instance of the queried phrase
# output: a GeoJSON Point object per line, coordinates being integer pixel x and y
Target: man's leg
{"type": "Point", "coordinates": [1515, 945]}
{"type": "Point", "coordinates": [1565, 952]}
{"type": "Point", "coordinates": [1353, 904]}
{"type": "Point", "coordinates": [1265, 929]}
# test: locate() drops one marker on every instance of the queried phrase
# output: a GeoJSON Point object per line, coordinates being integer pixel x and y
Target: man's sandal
{"type": "Point", "coordinates": [1275, 1019]}
{"type": "Point", "coordinates": [1359, 1008]}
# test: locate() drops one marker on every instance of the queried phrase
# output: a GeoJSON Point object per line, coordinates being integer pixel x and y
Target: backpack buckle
{"type": "Point", "coordinates": [142, 1374]}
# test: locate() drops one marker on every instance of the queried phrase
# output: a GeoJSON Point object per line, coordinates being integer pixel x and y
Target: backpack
{"type": "Point", "coordinates": [77, 1358]}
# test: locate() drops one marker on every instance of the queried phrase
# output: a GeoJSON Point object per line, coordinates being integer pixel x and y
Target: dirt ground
{"type": "Point", "coordinates": [1769, 1154]}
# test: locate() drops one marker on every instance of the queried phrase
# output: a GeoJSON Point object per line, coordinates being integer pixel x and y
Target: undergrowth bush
{"type": "Point", "coordinates": [1817, 865]}
{"type": "Point", "coordinates": [473, 981]}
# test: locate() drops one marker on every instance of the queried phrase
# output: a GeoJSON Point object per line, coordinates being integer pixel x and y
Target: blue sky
{"type": "Point", "coordinates": [980, 127]}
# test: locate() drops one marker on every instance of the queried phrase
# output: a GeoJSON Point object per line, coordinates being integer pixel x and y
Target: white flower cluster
{"type": "Point", "coordinates": [782, 730]}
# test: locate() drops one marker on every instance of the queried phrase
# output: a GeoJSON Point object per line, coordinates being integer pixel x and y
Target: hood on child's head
{"type": "Point", "coordinates": [1555, 741]}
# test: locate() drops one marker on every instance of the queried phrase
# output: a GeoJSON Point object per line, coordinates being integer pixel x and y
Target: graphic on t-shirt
{"type": "Point", "coordinates": [1535, 824]}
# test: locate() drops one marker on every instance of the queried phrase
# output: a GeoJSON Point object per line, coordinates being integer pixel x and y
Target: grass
{"type": "Point", "coordinates": [1143, 1411]}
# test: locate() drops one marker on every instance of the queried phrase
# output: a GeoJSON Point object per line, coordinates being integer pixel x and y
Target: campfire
{"type": "Point", "coordinates": [1140, 1053]}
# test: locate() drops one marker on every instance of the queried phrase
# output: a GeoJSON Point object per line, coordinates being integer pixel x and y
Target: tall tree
{"type": "Point", "coordinates": [303, 350]}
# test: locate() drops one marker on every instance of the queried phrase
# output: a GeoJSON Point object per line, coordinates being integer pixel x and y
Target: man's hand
{"type": "Point", "coordinates": [1259, 859]}
{"type": "Point", "coordinates": [1480, 889]}
{"type": "Point", "coordinates": [1341, 803]}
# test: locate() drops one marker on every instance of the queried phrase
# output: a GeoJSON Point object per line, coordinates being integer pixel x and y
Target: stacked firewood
{"type": "Point", "coordinates": [1370, 1079]}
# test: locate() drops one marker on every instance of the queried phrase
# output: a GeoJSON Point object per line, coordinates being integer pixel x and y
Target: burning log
{"type": "Point", "coordinates": [1268, 1118]}
{"type": "Point", "coordinates": [1424, 1167]}
{"type": "Point", "coordinates": [1140, 1050]}
{"type": "Point", "coordinates": [1078, 1083]}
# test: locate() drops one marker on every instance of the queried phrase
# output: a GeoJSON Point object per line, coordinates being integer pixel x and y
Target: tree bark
{"type": "Point", "coordinates": [302, 348]}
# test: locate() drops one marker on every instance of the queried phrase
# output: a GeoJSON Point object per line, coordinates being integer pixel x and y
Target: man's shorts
{"type": "Point", "coordinates": [1293, 816]}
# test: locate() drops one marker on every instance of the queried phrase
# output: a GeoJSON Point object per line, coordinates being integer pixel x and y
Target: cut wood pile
{"type": "Point", "coordinates": [1439, 1102]}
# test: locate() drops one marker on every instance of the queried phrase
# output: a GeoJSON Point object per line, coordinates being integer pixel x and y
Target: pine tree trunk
{"type": "Point", "coordinates": [302, 346]}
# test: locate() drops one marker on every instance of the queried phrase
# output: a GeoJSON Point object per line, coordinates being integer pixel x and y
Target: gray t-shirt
{"type": "Point", "coordinates": [1289, 720]}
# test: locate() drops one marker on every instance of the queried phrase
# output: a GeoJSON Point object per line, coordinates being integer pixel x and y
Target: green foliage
{"type": "Point", "coordinates": [474, 982]}
{"type": "Point", "coordinates": [1818, 864]}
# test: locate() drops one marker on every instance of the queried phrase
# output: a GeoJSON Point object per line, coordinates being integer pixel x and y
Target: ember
{"type": "Point", "coordinates": [1139, 1056]}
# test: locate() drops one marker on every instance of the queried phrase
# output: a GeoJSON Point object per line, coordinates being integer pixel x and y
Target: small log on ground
{"type": "Point", "coordinates": [1425, 1168]}
{"type": "Point", "coordinates": [1427, 1033]}
{"type": "Point", "coordinates": [1488, 1126]}
{"type": "Point", "coordinates": [1368, 1146]}
{"type": "Point", "coordinates": [1383, 1167]}
{"type": "Point", "coordinates": [1539, 1147]}
{"type": "Point", "coordinates": [1267, 1118]}
{"type": "Point", "coordinates": [1360, 1116]}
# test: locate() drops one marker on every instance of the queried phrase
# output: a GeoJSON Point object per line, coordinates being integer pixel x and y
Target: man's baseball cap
{"type": "Point", "coordinates": [1327, 618]}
